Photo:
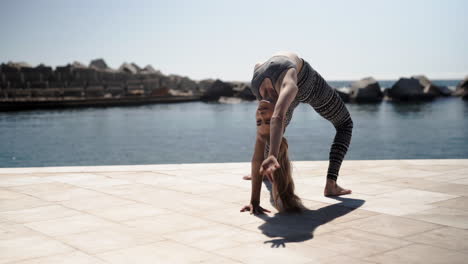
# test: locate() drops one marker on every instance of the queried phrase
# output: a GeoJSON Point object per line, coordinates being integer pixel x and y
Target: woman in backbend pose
{"type": "Point", "coordinates": [280, 84]}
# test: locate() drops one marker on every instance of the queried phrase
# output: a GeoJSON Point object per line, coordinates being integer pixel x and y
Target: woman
{"type": "Point", "coordinates": [281, 83]}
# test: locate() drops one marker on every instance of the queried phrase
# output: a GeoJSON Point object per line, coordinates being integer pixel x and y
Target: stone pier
{"type": "Point", "coordinates": [401, 211]}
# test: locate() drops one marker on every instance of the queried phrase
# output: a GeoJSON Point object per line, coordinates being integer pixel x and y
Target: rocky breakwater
{"type": "Point", "coordinates": [462, 89]}
{"type": "Point", "coordinates": [416, 88]}
{"type": "Point", "coordinates": [23, 86]}
{"type": "Point", "coordinates": [366, 90]}
{"type": "Point", "coordinates": [217, 90]}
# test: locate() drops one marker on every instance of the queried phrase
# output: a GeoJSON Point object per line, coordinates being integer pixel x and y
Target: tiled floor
{"type": "Point", "coordinates": [401, 211]}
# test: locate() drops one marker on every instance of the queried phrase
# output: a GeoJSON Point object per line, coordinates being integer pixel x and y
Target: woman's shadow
{"type": "Point", "coordinates": [287, 228]}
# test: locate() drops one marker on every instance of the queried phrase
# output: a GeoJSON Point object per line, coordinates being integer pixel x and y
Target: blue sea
{"type": "Point", "coordinates": [200, 132]}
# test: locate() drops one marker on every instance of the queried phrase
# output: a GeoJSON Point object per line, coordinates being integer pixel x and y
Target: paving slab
{"type": "Point", "coordinates": [160, 252]}
{"type": "Point", "coordinates": [444, 237]}
{"type": "Point", "coordinates": [400, 211]}
{"type": "Point", "coordinates": [456, 203]}
{"type": "Point", "coordinates": [40, 213]}
{"type": "Point", "coordinates": [74, 257]}
{"type": "Point", "coordinates": [22, 248]}
{"type": "Point", "coordinates": [107, 239]}
{"type": "Point", "coordinates": [417, 253]}
{"type": "Point", "coordinates": [392, 226]}
{"type": "Point", "coordinates": [444, 216]}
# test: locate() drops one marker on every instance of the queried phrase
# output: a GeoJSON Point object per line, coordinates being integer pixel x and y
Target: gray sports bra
{"type": "Point", "coordinates": [272, 69]}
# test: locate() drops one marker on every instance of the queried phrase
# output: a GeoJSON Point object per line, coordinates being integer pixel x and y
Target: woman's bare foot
{"type": "Point", "coordinates": [333, 189]}
{"type": "Point", "coordinates": [247, 177]}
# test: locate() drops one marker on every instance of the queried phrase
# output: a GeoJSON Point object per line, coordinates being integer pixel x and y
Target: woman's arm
{"type": "Point", "coordinates": [254, 206]}
{"type": "Point", "coordinates": [288, 91]}
{"type": "Point", "coordinates": [257, 160]}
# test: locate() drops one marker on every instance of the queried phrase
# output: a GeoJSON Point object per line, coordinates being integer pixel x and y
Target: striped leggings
{"type": "Point", "coordinates": [315, 91]}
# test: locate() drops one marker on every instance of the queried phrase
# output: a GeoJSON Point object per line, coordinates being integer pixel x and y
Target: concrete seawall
{"type": "Point", "coordinates": [401, 211]}
{"type": "Point", "coordinates": [55, 103]}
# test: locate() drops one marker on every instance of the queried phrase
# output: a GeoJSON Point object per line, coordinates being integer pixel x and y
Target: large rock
{"type": "Point", "coordinates": [13, 74]}
{"type": "Point", "coordinates": [128, 68]}
{"type": "Point", "coordinates": [430, 88]}
{"type": "Point", "coordinates": [77, 74]}
{"type": "Point", "coordinates": [17, 65]}
{"type": "Point", "coordinates": [408, 89]}
{"type": "Point", "coordinates": [148, 69]}
{"type": "Point", "coordinates": [366, 90]}
{"type": "Point", "coordinates": [438, 90]}
{"type": "Point", "coordinates": [462, 89]}
{"type": "Point", "coordinates": [99, 64]}
{"type": "Point", "coordinates": [180, 83]}
{"type": "Point", "coordinates": [242, 91]}
{"type": "Point", "coordinates": [246, 94]}
{"type": "Point", "coordinates": [217, 89]}
{"type": "Point", "coordinates": [138, 68]}
{"type": "Point", "coordinates": [39, 76]}
{"type": "Point", "coordinates": [205, 84]}
{"type": "Point", "coordinates": [71, 67]}
{"type": "Point", "coordinates": [78, 65]}
{"type": "Point", "coordinates": [343, 93]}
{"type": "Point", "coordinates": [3, 82]}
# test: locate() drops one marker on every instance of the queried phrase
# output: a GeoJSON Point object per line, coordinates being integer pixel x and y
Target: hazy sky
{"type": "Point", "coordinates": [223, 39]}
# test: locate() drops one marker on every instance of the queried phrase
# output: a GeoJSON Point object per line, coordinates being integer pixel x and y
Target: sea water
{"type": "Point", "coordinates": [200, 132]}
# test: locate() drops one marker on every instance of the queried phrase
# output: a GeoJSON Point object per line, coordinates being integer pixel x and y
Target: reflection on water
{"type": "Point", "coordinates": [403, 109]}
{"type": "Point", "coordinates": [212, 132]}
{"type": "Point", "coordinates": [368, 108]}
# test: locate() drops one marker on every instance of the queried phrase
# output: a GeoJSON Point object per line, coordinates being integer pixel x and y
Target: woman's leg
{"type": "Point", "coordinates": [328, 104]}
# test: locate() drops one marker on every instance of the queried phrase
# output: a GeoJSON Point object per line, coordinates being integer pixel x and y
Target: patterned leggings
{"type": "Point", "coordinates": [315, 91]}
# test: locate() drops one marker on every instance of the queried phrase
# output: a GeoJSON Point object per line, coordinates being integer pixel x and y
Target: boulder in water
{"type": "Point", "coordinates": [77, 64]}
{"type": "Point", "coordinates": [343, 93]}
{"type": "Point", "coordinates": [430, 88]}
{"type": "Point", "coordinates": [203, 85]}
{"type": "Point", "coordinates": [39, 76]}
{"type": "Point", "coordinates": [246, 94]}
{"type": "Point", "coordinates": [16, 65]}
{"type": "Point", "coordinates": [180, 83]}
{"type": "Point", "coordinates": [366, 90]}
{"type": "Point", "coordinates": [242, 90]}
{"type": "Point", "coordinates": [138, 68]}
{"type": "Point", "coordinates": [77, 74]}
{"type": "Point", "coordinates": [217, 89]}
{"type": "Point", "coordinates": [12, 76]}
{"type": "Point", "coordinates": [99, 64]}
{"type": "Point", "coordinates": [462, 89]}
{"type": "Point", "coordinates": [148, 69]}
{"type": "Point", "coordinates": [439, 90]}
{"type": "Point", "coordinates": [409, 89]}
{"type": "Point", "coordinates": [128, 68]}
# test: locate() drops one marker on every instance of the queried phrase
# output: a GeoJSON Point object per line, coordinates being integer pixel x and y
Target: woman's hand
{"type": "Point", "coordinates": [254, 209]}
{"type": "Point", "coordinates": [268, 167]}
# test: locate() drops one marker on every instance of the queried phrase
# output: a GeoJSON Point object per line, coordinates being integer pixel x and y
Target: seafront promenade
{"type": "Point", "coordinates": [401, 211]}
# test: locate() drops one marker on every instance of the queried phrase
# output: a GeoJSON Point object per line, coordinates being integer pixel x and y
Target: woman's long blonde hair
{"type": "Point", "coordinates": [283, 190]}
